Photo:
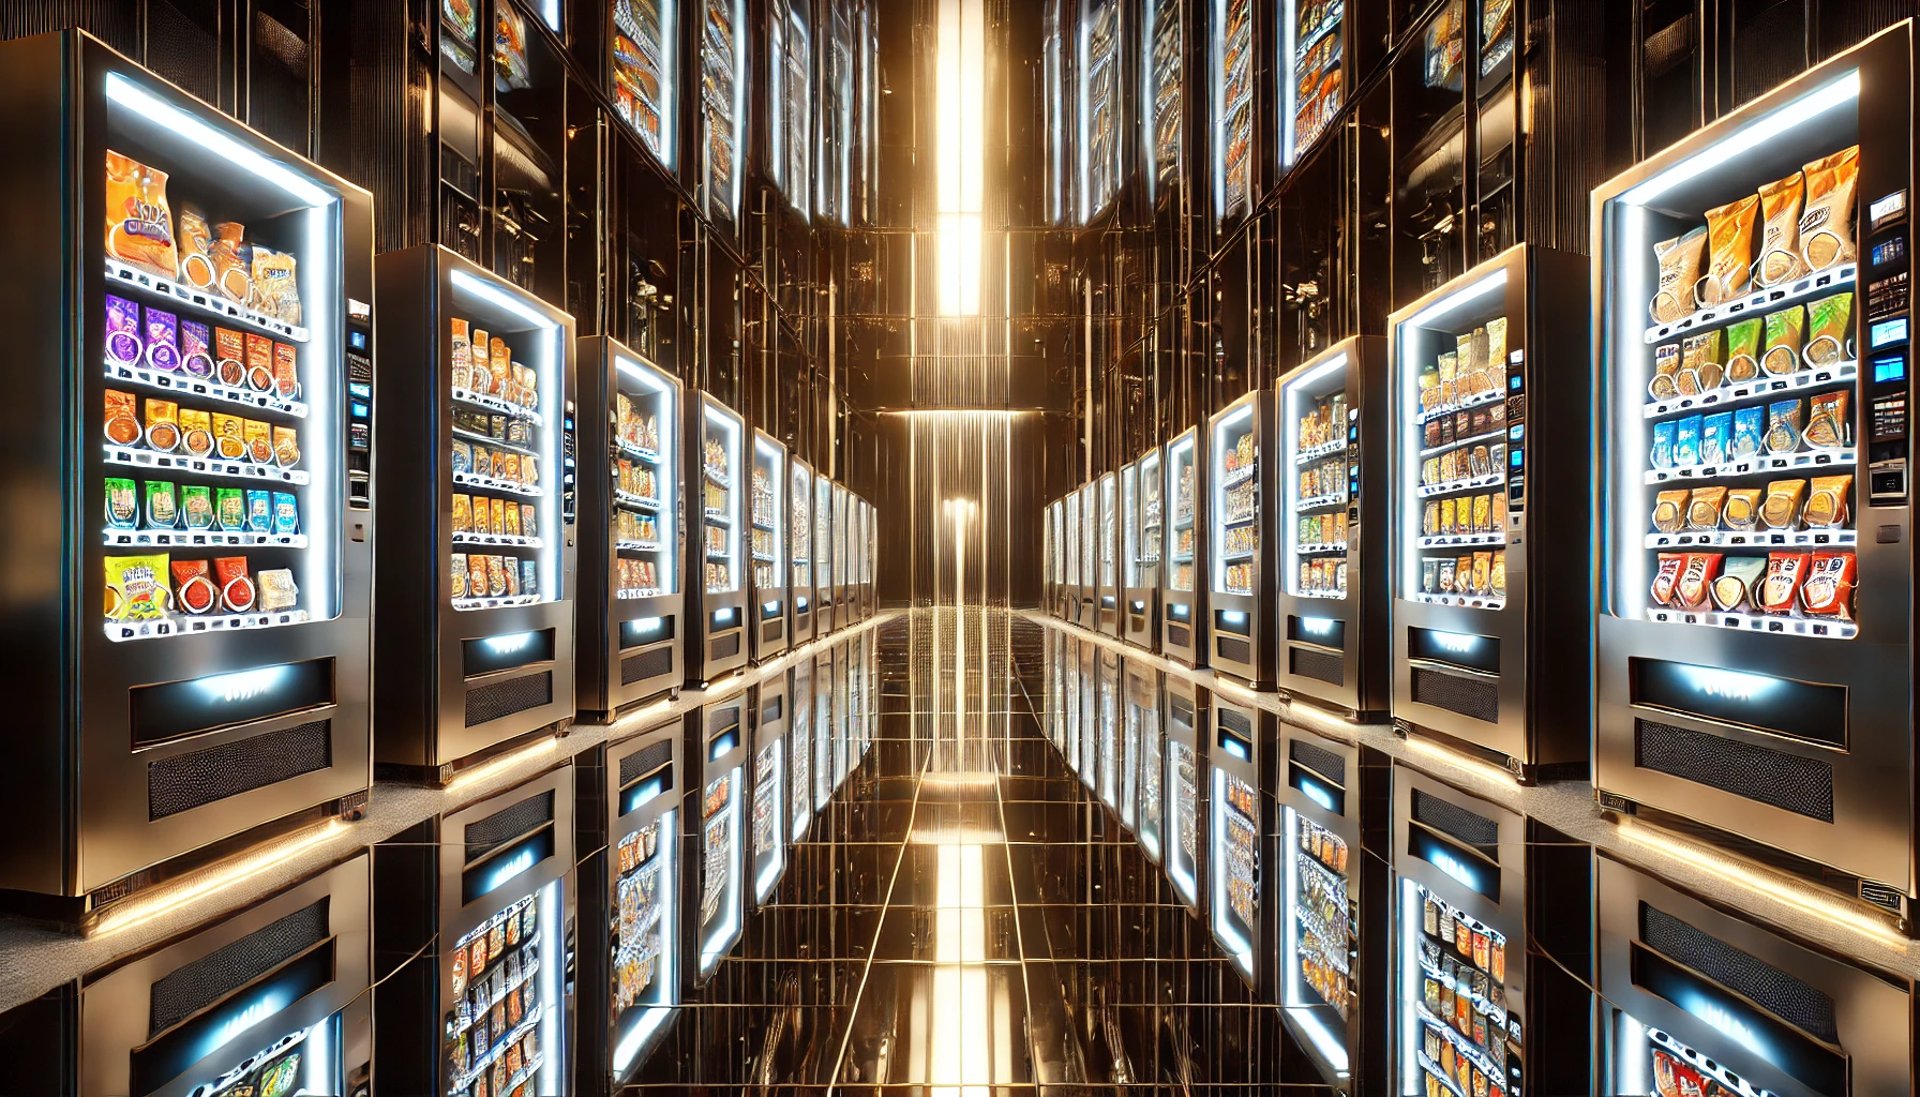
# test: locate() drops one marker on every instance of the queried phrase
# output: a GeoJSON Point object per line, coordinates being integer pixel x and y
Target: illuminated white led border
{"type": "Point", "coordinates": [1305, 1016]}
{"type": "Point", "coordinates": [775, 455]}
{"type": "Point", "coordinates": [1296, 400]}
{"type": "Point", "coordinates": [1239, 949]}
{"type": "Point", "coordinates": [1182, 874]}
{"type": "Point", "coordinates": [777, 864]}
{"type": "Point", "coordinates": [1179, 456]}
{"type": "Point", "coordinates": [635, 1038]}
{"type": "Point", "coordinates": [1107, 571]}
{"type": "Point", "coordinates": [722, 935]}
{"type": "Point", "coordinates": [1241, 409]}
{"type": "Point", "coordinates": [666, 483]}
{"type": "Point", "coordinates": [732, 426]}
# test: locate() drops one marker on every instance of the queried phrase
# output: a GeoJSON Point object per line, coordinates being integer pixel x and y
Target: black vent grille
{"type": "Point", "coordinates": [770, 631]}
{"type": "Point", "coordinates": [187, 990]}
{"type": "Point", "coordinates": [1789, 782]}
{"type": "Point", "coordinates": [1321, 666]}
{"type": "Point", "coordinates": [724, 647]}
{"type": "Point", "coordinates": [1238, 651]}
{"type": "Point", "coordinates": [1472, 698]}
{"type": "Point", "coordinates": [1320, 760]}
{"type": "Point", "coordinates": [1179, 635]}
{"type": "Point", "coordinates": [647, 664]}
{"type": "Point", "coordinates": [644, 761]}
{"type": "Point", "coordinates": [187, 781]}
{"type": "Point", "coordinates": [183, 46]}
{"type": "Point", "coordinates": [1450, 818]}
{"type": "Point", "coordinates": [499, 699]}
{"type": "Point", "coordinates": [1235, 721]}
{"type": "Point", "coordinates": [503, 826]}
{"type": "Point", "coordinates": [1774, 990]}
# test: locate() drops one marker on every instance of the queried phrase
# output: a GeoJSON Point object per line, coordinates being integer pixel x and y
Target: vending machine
{"type": "Point", "coordinates": [1321, 976]}
{"type": "Point", "coordinates": [1491, 606]}
{"type": "Point", "coordinates": [627, 986]}
{"type": "Point", "coordinates": [1232, 69]}
{"type": "Point", "coordinates": [823, 730]}
{"type": "Point", "coordinates": [716, 893]}
{"type": "Point", "coordinates": [218, 686]}
{"type": "Point", "coordinates": [191, 1018]}
{"type": "Point", "coordinates": [800, 550]}
{"type": "Point", "coordinates": [1149, 745]}
{"type": "Point", "coordinates": [717, 601]}
{"type": "Point", "coordinates": [1184, 723]}
{"type": "Point", "coordinates": [1756, 652]}
{"type": "Point", "coordinates": [1110, 729]}
{"type": "Point", "coordinates": [643, 74]}
{"type": "Point", "coordinates": [1106, 533]}
{"type": "Point", "coordinates": [1087, 612]}
{"type": "Point", "coordinates": [1086, 761]}
{"type": "Point", "coordinates": [629, 630]}
{"type": "Point", "coordinates": [826, 613]}
{"type": "Point", "coordinates": [483, 896]}
{"type": "Point", "coordinates": [483, 426]}
{"type": "Point", "coordinates": [1312, 72]}
{"type": "Point", "coordinates": [800, 749]}
{"type": "Point", "coordinates": [1183, 598]}
{"type": "Point", "coordinates": [843, 551]}
{"type": "Point", "coordinates": [1141, 533]}
{"type": "Point", "coordinates": [1332, 588]}
{"type": "Point", "coordinates": [1240, 759]}
{"type": "Point", "coordinates": [842, 658]}
{"type": "Point", "coordinates": [770, 726]}
{"type": "Point", "coordinates": [869, 544]}
{"type": "Point", "coordinates": [1240, 582]}
{"type": "Point", "coordinates": [1695, 999]}
{"type": "Point", "coordinates": [768, 548]}
{"type": "Point", "coordinates": [1050, 580]}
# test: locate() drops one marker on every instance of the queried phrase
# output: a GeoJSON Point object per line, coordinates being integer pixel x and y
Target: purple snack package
{"type": "Point", "coordinates": [196, 348]}
{"type": "Point", "coordinates": [163, 340]}
{"type": "Point", "coordinates": [123, 331]}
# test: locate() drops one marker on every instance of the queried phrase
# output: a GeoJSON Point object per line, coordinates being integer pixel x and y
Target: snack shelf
{"type": "Point", "coordinates": [1820, 282]}
{"type": "Point", "coordinates": [1474, 401]}
{"type": "Point", "coordinates": [1433, 1071]}
{"type": "Point", "coordinates": [496, 601]}
{"type": "Point", "coordinates": [1762, 388]}
{"type": "Point", "coordinates": [1237, 476]}
{"type": "Point", "coordinates": [1328, 22]}
{"type": "Point", "coordinates": [1838, 457]}
{"type": "Point", "coordinates": [637, 594]}
{"type": "Point", "coordinates": [1463, 1045]}
{"type": "Point", "coordinates": [1183, 557]}
{"type": "Point", "coordinates": [718, 479]}
{"type": "Point", "coordinates": [1328, 595]}
{"type": "Point", "coordinates": [1320, 549]}
{"type": "Point", "coordinates": [491, 442]}
{"type": "Point", "coordinates": [204, 301]}
{"type": "Point", "coordinates": [720, 557]}
{"type": "Point", "coordinates": [718, 516]}
{"type": "Point", "coordinates": [651, 457]}
{"type": "Point", "coordinates": [119, 631]}
{"type": "Point", "coordinates": [488, 483]}
{"type": "Point", "coordinates": [762, 557]}
{"type": "Point", "coordinates": [1457, 540]}
{"type": "Point", "coordinates": [1755, 539]}
{"type": "Point", "coordinates": [1317, 502]}
{"type": "Point", "coordinates": [1324, 449]}
{"type": "Point", "coordinates": [1238, 520]}
{"type": "Point", "coordinates": [499, 1048]}
{"type": "Point", "coordinates": [1470, 601]}
{"type": "Point", "coordinates": [507, 540]}
{"type": "Point", "coordinates": [1335, 958]}
{"type": "Point", "coordinates": [1494, 435]}
{"type": "Point", "coordinates": [637, 546]}
{"type": "Point", "coordinates": [1231, 557]}
{"type": "Point", "coordinates": [203, 466]}
{"type": "Point", "coordinates": [200, 538]}
{"type": "Point", "coordinates": [488, 402]}
{"type": "Point", "coordinates": [1489, 480]}
{"type": "Point", "coordinates": [186, 384]}
{"type": "Point", "coordinates": [1334, 880]}
{"type": "Point", "coordinates": [764, 526]}
{"type": "Point", "coordinates": [637, 502]}
{"type": "Point", "coordinates": [528, 969]}
{"type": "Point", "coordinates": [1772, 624]}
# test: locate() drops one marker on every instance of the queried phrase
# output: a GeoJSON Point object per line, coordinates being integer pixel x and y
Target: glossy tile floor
{"type": "Point", "coordinates": [965, 919]}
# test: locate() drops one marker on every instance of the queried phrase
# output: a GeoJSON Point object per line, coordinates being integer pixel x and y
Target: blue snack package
{"type": "Point", "coordinates": [259, 510]}
{"type": "Point", "coordinates": [286, 513]}
{"type": "Point", "coordinates": [1662, 454]}
{"type": "Point", "coordinates": [1686, 441]}
{"type": "Point", "coordinates": [1748, 425]}
{"type": "Point", "coordinates": [1716, 438]}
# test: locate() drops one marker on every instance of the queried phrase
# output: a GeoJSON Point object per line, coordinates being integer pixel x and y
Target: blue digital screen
{"type": "Point", "coordinates": [1893, 367]}
{"type": "Point", "coordinates": [357, 340]}
{"type": "Point", "coordinates": [1888, 331]}
{"type": "Point", "coordinates": [1513, 457]}
{"type": "Point", "coordinates": [361, 411]}
{"type": "Point", "coordinates": [361, 389]}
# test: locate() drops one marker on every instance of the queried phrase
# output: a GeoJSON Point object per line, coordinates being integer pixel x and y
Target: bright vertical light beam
{"type": "Point", "coordinates": [960, 89]}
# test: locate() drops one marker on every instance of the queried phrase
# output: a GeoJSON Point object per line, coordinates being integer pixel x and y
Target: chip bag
{"type": "Point", "coordinates": [139, 223]}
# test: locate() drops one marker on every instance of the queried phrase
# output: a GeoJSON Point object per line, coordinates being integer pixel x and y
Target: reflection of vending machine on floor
{"type": "Point", "coordinates": [1144, 807]}
{"type": "Point", "coordinates": [1109, 728]}
{"type": "Point", "coordinates": [1185, 721]}
{"type": "Point", "coordinates": [769, 817]}
{"type": "Point", "coordinates": [716, 831]}
{"type": "Point", "coordinates": [1241, 763]}
{"type": "Point", "coordinates": [1322, 979]}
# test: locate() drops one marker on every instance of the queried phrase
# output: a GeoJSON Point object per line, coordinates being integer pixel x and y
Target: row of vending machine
{"type": "Point", "coordinates": [1421, 940]}
{"type": "Point", "coordinates": [538, 940]}
{"type": "Point", "coordinates": [292, 430]}
{"type": "Point", "coordinates": [1642, 517]}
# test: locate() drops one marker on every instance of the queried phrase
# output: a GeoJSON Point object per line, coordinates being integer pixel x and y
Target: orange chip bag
{"type": "Point", "coordinates": [1828, 591]}
{"type": "Point", "coordinates": [139, 223]}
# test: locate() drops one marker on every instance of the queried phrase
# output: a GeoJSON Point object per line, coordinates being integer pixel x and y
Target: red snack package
{"type": "Point", "coordinates": [193, 591]}
{"type": "Point", "coordinates": [1696, 580]}
{"type": "Point", "coordinates": [1828, 591]}
{"type": "Point", "coordinates": [1785, 572]}
{"type": "Point", "coordinates": [236, 587]}
{"type": "Point", "coordinates": [1669, 574]}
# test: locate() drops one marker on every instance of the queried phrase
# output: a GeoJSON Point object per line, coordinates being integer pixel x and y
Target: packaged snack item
{"type": "Point", "coordinates": [1828, 328]}
{"type": "Point", "coordinates": [196, 506]}
{"type": "Point", "coordinates": [1686, 441]}
{"type": "Point", "coordinates": [1780, 204]}
{"type": "Point", "coordinates": [1729, 250]}
{"type": "Point", "coordinates": [1695, 577]}
{"type": "Point", "coordinates": [196, 348]}
{"type": "Point", "coordinates": [1681, 261]}
{"type": "Point", "coordinates": [286, 446]}
{"type": "Point", "coordinates": [163, 506]}
{"type": "Point", "coordinates": [482, 516]}
{"type": "Point", "coordinates": [286, 370]}
{"type": "Point", "coordinates": [118, 420]}
{"type": "Point", "coordinates": [462, 349]}
{"type": "Point", "coordinates": [1749, 427]}
{"type": "Point", "coordinates": [1661, 455]}
{"type": "Point", "coordinates": [278, 591]}
{"type": "Point", "coordinates": [1780, 510]}
{"type": "Point", "coordinates": [1716, 437]}
{"type": "Point", "coordinates": [123, 503]}
{"type": "Point", "coordinates": [1826, 226]}
{"type": "Point", "coordinates": [1494, 360]}
{"type": "Point", "coordinates": [510, 518]}
{"type": "Point", "coordinates": [482, 460]}
{"type": "Point", "coordinates": [1785, 572]}
{"type": "Point", "coordinates": [499, 365]}
{"type": "Point", "coordinates": [139, 221]}
{"type": "Point", "coordinates": [286, 514]}
{"type": "Point", "coordinates": [196, 249]}
{"type": "Point", "coordinates": [462, 456]}
{"type": "Point", "coordinates": [229, 436]}
{"type": "Point", "coordinates": [1699, 359]}
{"type": "Point", "coordinates": [506, 465]}
{"type": "Point", "coordinates": [1733, 590]}
{"type": "Point", "coordinates": [276, 288]}
{"type": "Point", "coordinates": [511, 569]}
{"type": "Point", "coordinates": [237, 591]}
{"type": "Point", "coordinates": [1669, 510]}
{"type": "Point", "coordinates": [1447, 564]}
{"type": "Point", "coordinates": [458, 588]}
{"type": "Point", "coordinates": [1828, 591]}
{"type": "Point", "coordinates": [1743, 350]}
{"type": "Point", "coordinates": [1666, 363]}
{"type": "Point", "coordinates": [259, 362]}
{"type": "Point", "coordinates": [477, 576]}
{"type": "Point", "coordinates": [482, 371]}
{"type": "Point", "coordinates": [462, 514]}
{"type": "Point", "coordinates": [1482, 506]}
{"type": "Point", "coordinates": [259, 510]}
{"type": "Point", "coordinates": [526, 521]}
{"type": "Point", "coordinates": [259, 437]}
{"type": "Point", "coordinates": [196, 432]}
{"type": "Point", "coordinates": [1785, 331]}
{"type": "Point", "coordinates": [1827, 502]}
{"type": "Point", "coordinates": [1703, 507]}
{"type": "Point", "coordinates": [1498, 578]}
{"type": "Point", "coordinates": [194, 591]}
{"type": "Point", "coordinates": [229, 357]}
{"type": "Point", "coordinates": [137, 587]}
{"type": "Point", "coordinates": [496, 575]}
{"type": "Point", "coordinates": [1827, 422]}
{"type": "Point", "coordinates": [1783, 426]}
{"type": "Point", "coordinates": [230, 509]}
{"type": "Point", "coordinates": [232, 262]}
{"type": "Point", "coordinates": [1742, 508]}
{"type": "Point", "coordinates": [1497, 513]}
{"type": "Point", "coordinates": [498, 519]}
{"type": "Point", "coordinates": [123, 332]}
{"type": "Point", "coordinates": [163, 425]}
{"type": "Point", "coordinates": [1429, 519]}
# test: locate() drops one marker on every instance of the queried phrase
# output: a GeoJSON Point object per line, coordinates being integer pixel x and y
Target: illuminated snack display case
{"type": "Point", "coordinates": [826, 611]}
{"type": "Point", "coordinates": [1756, 654]}
{"type": "Point", "coordinates": [1074, 537]}
{"type": "Point", "coordinates": [1162, 125]}
{"type": "Point", "coordinates": [800, 749]}
{"type": "Point", "coordinates": [1183, 848]}
{"type": "Point", "coordinates": [768, 821]}
{"type": "Point", "coordinates": [717, 833]}
{"type": "Point", "coordinates": [628, 986]}
{"type": "Point", "coordinates": [295, 1018]}
{"type": "Point", "coordinates": [1142, 532]}
{"type": "Point", "coordinates": [1109, 728]}
{"type": "Point", "coordinates": [1319, 977]}
{"type": "Point", "coordinates": [722, 107]}
{"type": "Point", "coordinates": [1231, 74]}
{"type": "Point", "coordinates": [189, 612]}
{"type": "Point", "coordinates": [1697, 1000]}
{"type": "Point", "coordinates": [1490, 577]}
{"type": "Point", "coordinates": [629, 629]}
{"type": "Point", "coordinates": [644, 73]}
{"type": "Point", "coordinates": [869, 542]}
{"type": "Point", "coordinates": [1142, 804]}
{"type": "Point", "coordinates": [767, 547]}
{"type": "Point", "coordinates": [843, 552]}
{"type": "Point", "coordinates": [1240, 575]}
{"type": "Point", "coordinates": [800, 550]}
{"type": "Point", "coordinates": [1106, 533]}
{"type": "Point", "coordinates": [1313, 46]}
{"type": "Point", "coordinates": [481, 472]}
{"type": "Point", "coordinates": [1087, 614]}
{"type": "Point", "coordinates": [1100, 106]}
{"type": "Point", "coordinates": [1051, 580]}
{"type": "Point", "coordinates": [1240, 772]}
{"type": "Point", "coordinates": [717, 591]}
{"type": "Point", "coordinates": [1085, 760]}
{"type": "Point", "coordinates": [824, 732]}
{"type": "Point", "coordinates": [1332, 590]}
{"type": "Point", "coordinates": [1183, 597]}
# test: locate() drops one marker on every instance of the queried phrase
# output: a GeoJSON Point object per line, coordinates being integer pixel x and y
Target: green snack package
{"type": "Point", "coordinates": [230, 507]}
{"type": "Point", "coordinates": [163, 506]}
{"type": "Point", "coordinates": [196, 505]}
{"type": "Point", "coordinates": [1786, 331]}
{"type": "Point", "coordinates": [1743, 350]}
{"type": "Point", "coordinates": [123, 503]}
